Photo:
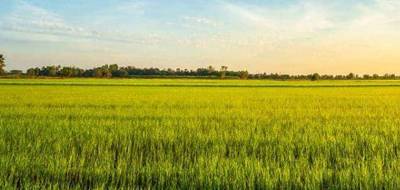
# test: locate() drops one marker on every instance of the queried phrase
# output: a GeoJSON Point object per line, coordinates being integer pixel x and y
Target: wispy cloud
{"type": "Point", "coordinates": [28, 18]}
{"type": "Point", "coordinates": [249, 15]}
{"type": "Point", "coordinates": [32, 19]}
{"type": "Point", "coordinates": [314, 18]}
{"type": "Point", "coordinates": [131, 6]}
{"type": "Point", "coordinates": [302, 17]}
{"type": "Point", "coordinates": [261, 31]}
{"type": "Point", "coordinates": [381, 12]}
{"type": "Point", "coordinates": [202, 21]}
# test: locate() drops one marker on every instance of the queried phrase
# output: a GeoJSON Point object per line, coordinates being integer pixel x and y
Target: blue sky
{"type": "Point", "coordinates": [291, 36]}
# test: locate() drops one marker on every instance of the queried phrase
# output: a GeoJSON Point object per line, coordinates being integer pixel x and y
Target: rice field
{"type": "Point", "coordinates": [199, 134]}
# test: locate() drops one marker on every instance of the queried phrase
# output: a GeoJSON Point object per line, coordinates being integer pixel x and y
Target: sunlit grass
{"type": "Point", "coordinates": [71, 136]}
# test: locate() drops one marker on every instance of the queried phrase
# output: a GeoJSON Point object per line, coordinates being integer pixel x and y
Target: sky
{"type": "Point", "coordinates": [273, 36]}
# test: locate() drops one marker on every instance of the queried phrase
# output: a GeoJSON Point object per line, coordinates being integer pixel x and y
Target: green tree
{"type": "Point", "coordinates": [113, 69]}
{"type": "Point", "coordinates": [98, 72]}
{"type": "Point", "coordinates": [15, 72]}
{"type": "Point", "coordinates": [53, 70]}
{"type": "Point", "coordinates": [315, 77]}
{"type": "Point", "coordinates": [106, 71]}
{"type": "Point", "coordinates": [223, 71]}
{"type": "Point", "coordinates": [211, 71]}
{"type": "Point", "coordinates": [65, 72]}
{"type": "Point", "coordinates": [2, 64]}
{"type": "Point", "coordinates": [351, 76]}
{"type": "Point", "coordinates": [32, 72]}
{"type": "Point", "coordinates": [120, 73]}
{"type": "Point", "coordinates": [243, 75]}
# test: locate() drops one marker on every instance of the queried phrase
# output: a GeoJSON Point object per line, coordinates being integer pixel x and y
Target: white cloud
{"type": "Point", "coordinates": [131, 6]}
{"type": "Point", "coordinates": [381, 12]}
{"type": "Point", "coordinates": [314, 18]}
{"type": "Point", "coordinates": [303, 17]}
{"type": "Point", "coordinates": [250, 15]}
{"type": "Point", "coordinates": [201, 21]}
{"type": "Point", "coordinates": [28, 18]}
{"type": "Point", "coordinates": [313, 23]}
{"type": "Point", "coordinates": [260, 31]}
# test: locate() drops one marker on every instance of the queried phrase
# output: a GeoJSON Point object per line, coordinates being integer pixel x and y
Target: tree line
{"type": "Point", "coordinates": [109, 71]}
{"type": "Point", "coordinates": [115, 71]}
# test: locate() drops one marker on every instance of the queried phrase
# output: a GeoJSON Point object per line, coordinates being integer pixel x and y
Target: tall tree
{"type": "Point", "coordinates": [32, 72]}
{"type": "Point", "coordinates": [315, 77]}
{"type": "Point", "coordinates": [2, 64]}
{"type": "Point", "coordinates": [351, 76]}
{"type": "Point", "coordinates": [223, 71]}
{"type": "Point", "coordinates": [243, 75]}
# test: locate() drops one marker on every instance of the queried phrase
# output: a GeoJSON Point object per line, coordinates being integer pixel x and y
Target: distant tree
{"type": "Point", "coordinates": [53, 70]}
{"type": "Point", "coordinates": [315, 77]}
{"type": "Point", "coordinates": [120, 73]}
{"type": "Point", "coordinates": [66, 72]}
{"type": "Point", "coordinates": [326, 77]}
{"type": "Point", "coordinates": [223, 71]}
{"type": "Point", "coordinates": [351, 76]}
{"type": "Point", "coordinates": [113, 69]}
{"type": "Point", "coordinates": [179, 72]}
{"type": "Point", "coordinates": [202, 72]}
{"type": "Point", "coordinates": [15, 73]}
{"type": "Point", "coordinates": [210, 69]}
{"type": "Point", "coordinates": [389, 76]}
{"type": "Point", "coordinates": [340, 77]}
{"type": "Point", "coordinates": [243, 75]}
{"type": "Point", "coordinates": [366, 76]}
{"type": "Point", "coordinates": [170, 72]}
{"type": "Point", "coordinates": [88, 73]}
{"type": "Point", "coordinates": [33, 72]}
{"type": "Point", "coordinates": [2, 64]}
{"type": "Point", "coordinates": [77, 72]}
{"type": "Point", "coordinates": [103, 71]}
{"type": "Point", "coordinates": [98, 72]}
{"type": "Point", "coordinates": [107, 71]}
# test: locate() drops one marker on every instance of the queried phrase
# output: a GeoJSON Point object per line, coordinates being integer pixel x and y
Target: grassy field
{"type": "Point", "coordinates": [203, 134]}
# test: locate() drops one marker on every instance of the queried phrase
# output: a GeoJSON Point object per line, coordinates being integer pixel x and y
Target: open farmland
{"type": "Point", "coordinates": [205, 134]}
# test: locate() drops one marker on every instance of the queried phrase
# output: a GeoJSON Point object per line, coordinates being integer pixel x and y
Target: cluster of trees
{"type": "Point", "coordinates": [2, 64]}
{"type": "Point", "coordinates": [316, 76]}
{"type": "Point", "coordinates": [108, 71]}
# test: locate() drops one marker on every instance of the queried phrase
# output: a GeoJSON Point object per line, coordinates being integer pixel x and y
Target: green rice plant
{"type": "Point", "coordinates": [199, 134]}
